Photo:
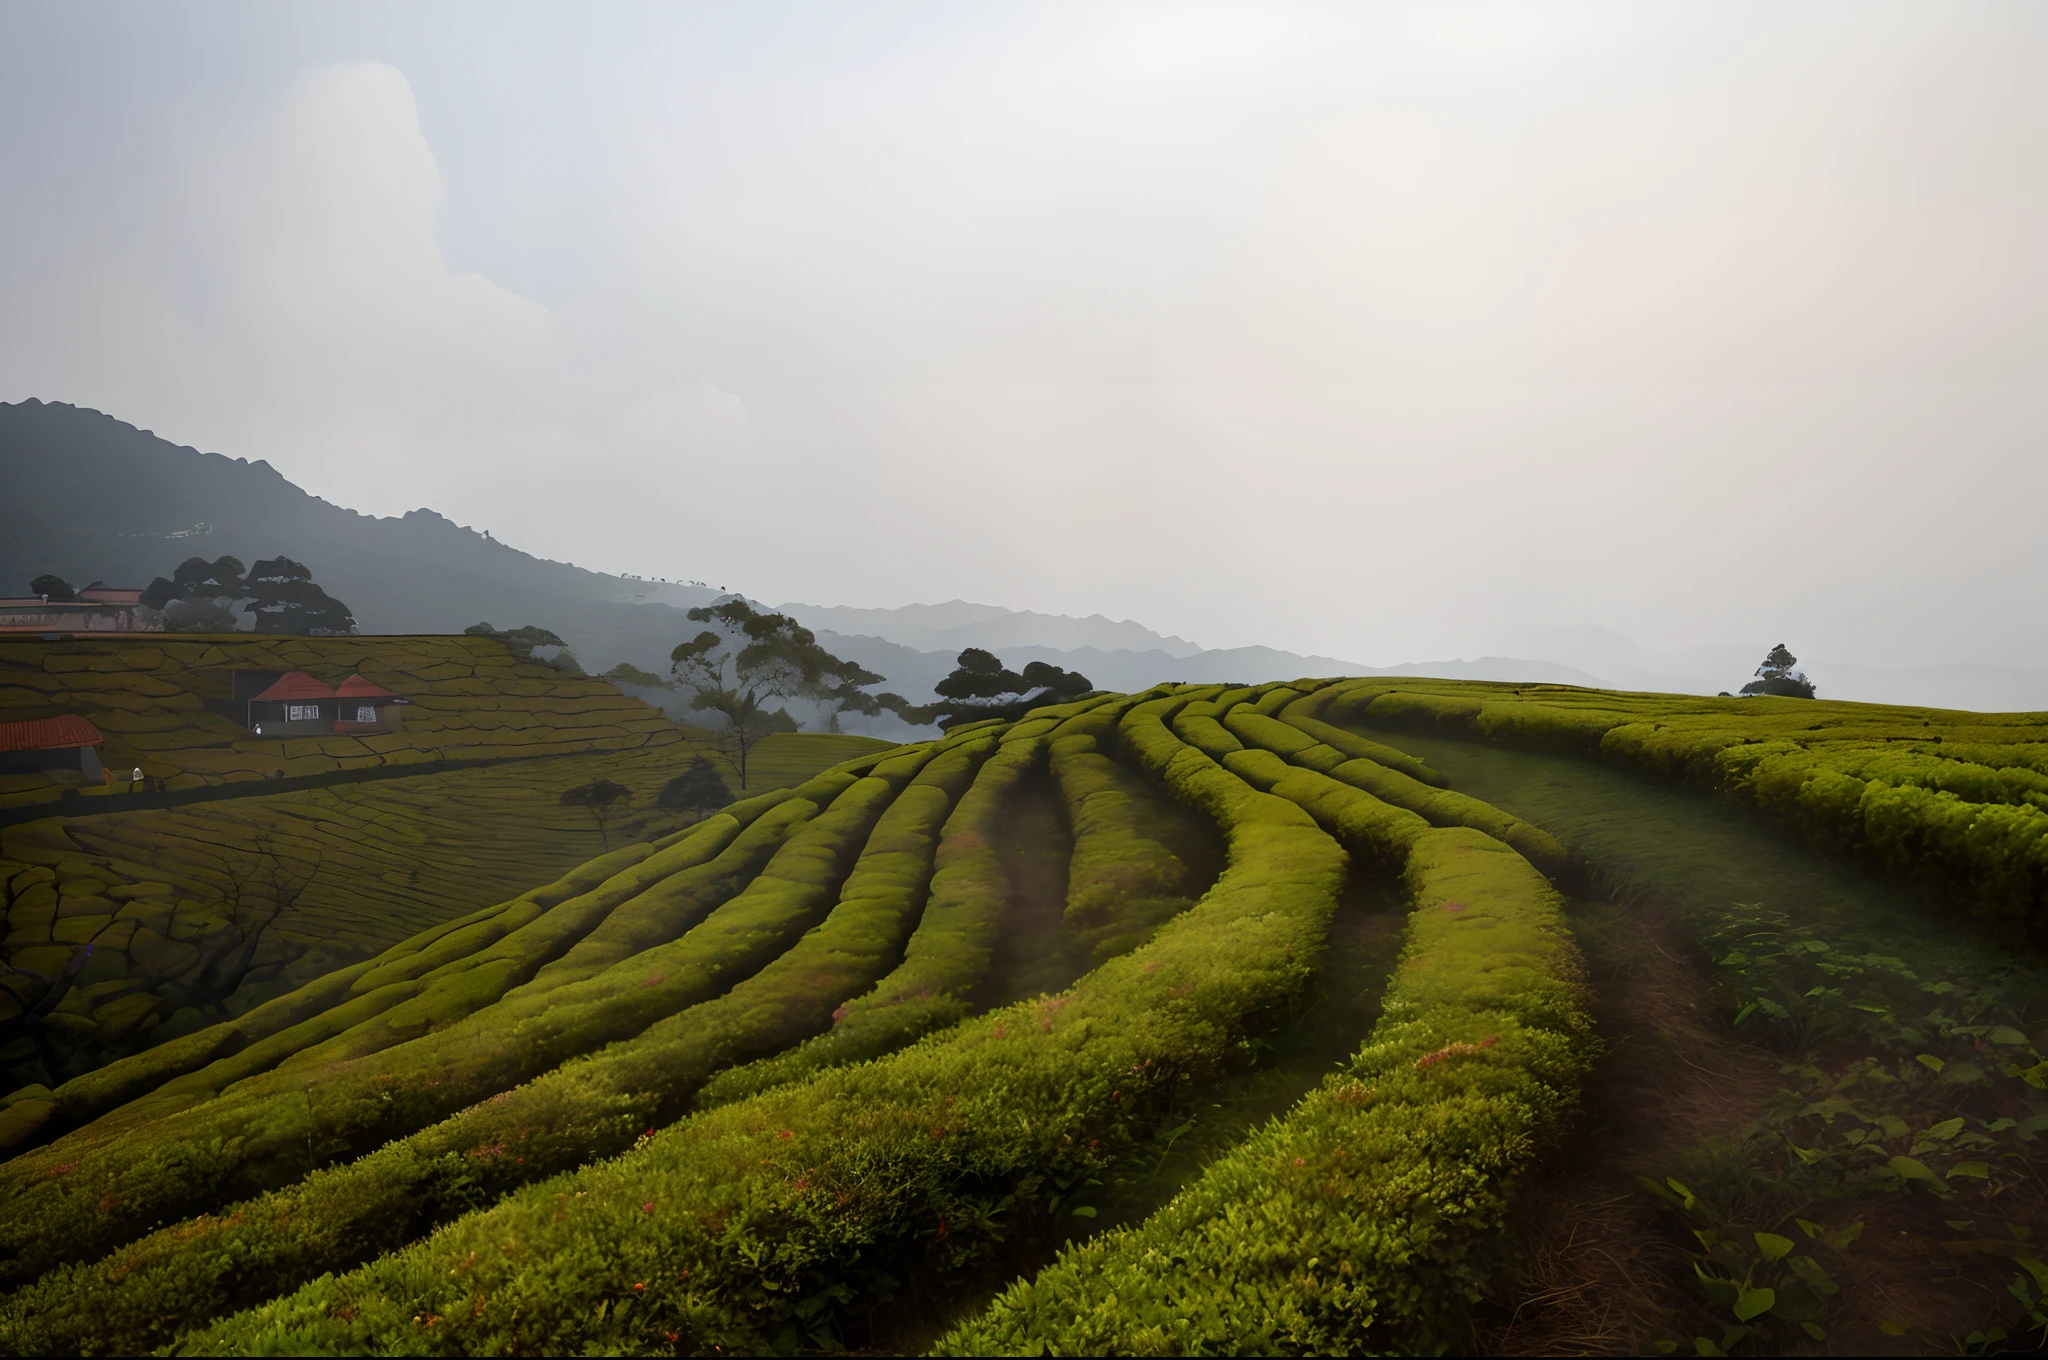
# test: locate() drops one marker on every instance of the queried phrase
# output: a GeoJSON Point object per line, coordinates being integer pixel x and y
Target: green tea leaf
{"type": "Point", "coordinates": [1911, 1169]}
{"type": "Point", "coordinates": [1084, 1211]}
{"type": "Point", "coordinates": [1772, 1246]}
{"type": "Point", "coordinates": [2006, 1034]}
{"type": "Point", "coordinates": [1980, 1170]}
{"type": "Point", "coordinates": [1815, 1330]}
{"type": "Point", "coordinates": [1947, 1128]}
{"type": "Point", "coordinates": [1755, 1303]}
{"type": "Point", "coordinates": [1930, 1061]}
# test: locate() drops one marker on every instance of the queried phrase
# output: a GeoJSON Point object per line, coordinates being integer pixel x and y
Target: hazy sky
{"type": "Point", "coordinates": [1378, 330]}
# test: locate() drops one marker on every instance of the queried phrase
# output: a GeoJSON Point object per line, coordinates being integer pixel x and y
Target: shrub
{"type": "Point", "coordinates": [1442, 807]}
{"type": "Point", "coordinates": [1138, 858]}
{"type": "Point", "coordinates": [148, 1292]}
{"type": "Point", "coordinates": [761, 1224]}
{"type": "Point", "coordinates": [412, 1063]}
{"type": "Point", "coordinates": [1361, 1220]}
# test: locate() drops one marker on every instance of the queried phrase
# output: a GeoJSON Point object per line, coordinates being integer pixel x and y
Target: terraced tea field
{"type": "Point", "coordinates": [200, 913]}
{"type": "Point", "coordinates": [1323, 1017]}
{"type": "Point", "coordinates": [469, 700]}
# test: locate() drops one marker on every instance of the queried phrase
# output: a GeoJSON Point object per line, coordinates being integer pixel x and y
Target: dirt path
{"type": "Point", "coordinates": [1601, 1272]}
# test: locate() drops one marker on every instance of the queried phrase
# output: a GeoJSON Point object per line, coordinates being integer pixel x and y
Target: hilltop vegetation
{"type": "Point", "coordinates": [900, 1057]}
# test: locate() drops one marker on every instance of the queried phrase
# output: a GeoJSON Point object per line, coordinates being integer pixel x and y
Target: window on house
{"type": "Point", "coordinates": [302, 712]}
{"type": "Point", "coordinates": [366, 713]}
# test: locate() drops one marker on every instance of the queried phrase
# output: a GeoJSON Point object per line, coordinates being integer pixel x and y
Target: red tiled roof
{"type": "Point", "coordinates": [48, 734]}
{"type": "Point", "coordinates": [355, 687]}
{"type": "Point", "coordinates": [297, 685]}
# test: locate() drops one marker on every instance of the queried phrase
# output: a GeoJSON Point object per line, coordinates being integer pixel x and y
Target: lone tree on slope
{"type": "Point", "coordinates": [52, 587]}
{"type": "Point", "coordinates": [748, 659]}
{"type": "Point", "coordinates": [697, 791]}
{"type": "Point", "coordinates": [598, 797]}
{"type": "Point", "coordinates": [1778, 675]}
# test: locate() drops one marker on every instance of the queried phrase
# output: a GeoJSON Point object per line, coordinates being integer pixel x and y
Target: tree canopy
{"type": "Point", "coordinates": [746, 660]}
{"type": "Point", "coordinates": [697, 790]}
{"type": "Point", "coordinates": [281, 595]}
{"type": "Point", "coordinates": [524, 642]}
{"type": "Point", "coordinates": [284, 599]}
{"type": "Point", "coordinates": [53, 587]}
{"type": "Point", "coordinates": [598, 797]}
{"type": "Point", "coordinates": [982, 687]}
{"type": "Point", "coordinates": [1779, 675]}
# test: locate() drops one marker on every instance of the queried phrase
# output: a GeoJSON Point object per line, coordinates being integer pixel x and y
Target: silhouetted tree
{"type": "Point", "coordinates": [1778, 676]}
{"type": "Point", "coordinates": [697, 790]}
{"type": "Point", "coordinates": [599, 797]}
{"type": "Point", "coordinates": [982, 687]}
{"type": "Point", "coordinates": [52, 587]}
{"type": "Point", "coordinates": [199, 597]}
{"type": "Point", "coordinates": [284, 599]}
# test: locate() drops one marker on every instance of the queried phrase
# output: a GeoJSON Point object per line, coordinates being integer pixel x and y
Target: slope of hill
{"type": "Point", "coordinates": [197, 913]}
{"type": "Point", "coordinates": [828, 1069]}
{"type": "Point", "coordinates": [468, 699]}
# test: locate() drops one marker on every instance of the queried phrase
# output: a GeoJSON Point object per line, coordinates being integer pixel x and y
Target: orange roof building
{"type": "Point", "coordinates": [65, 742]}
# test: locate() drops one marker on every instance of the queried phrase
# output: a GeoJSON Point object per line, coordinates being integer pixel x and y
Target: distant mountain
{"type": "Point", "coordinates": [957, 624]}
{"type": "Point", "coordinates": [90, 498]}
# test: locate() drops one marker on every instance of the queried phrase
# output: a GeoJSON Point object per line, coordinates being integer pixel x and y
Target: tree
{"type": "Point", "coordinates": [698, 790]}
{"type": "Point", "coordinates": [982, 687]}
{"type": "Point", "coordinates": [284, 599]}
{"type": "Point", "coordinates": [199, 597]}
{"type": "Point", "coordinates": [523, 643]}
{"type": "Point", "coordinates": [1778, 675]}
{"type": "Point", "coordinates": [599, 797]}
{"type": "Point", "coordinates": [626, 673]}
{"type": "Point", "coordinates": [52, 587]}
{"type": "Point", "coordinates": [748, 659]}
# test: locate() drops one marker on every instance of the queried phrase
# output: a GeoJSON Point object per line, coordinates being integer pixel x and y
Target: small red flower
{"type": "Point", "coordinates": [786, 1135]}
{"type": "Point", "coordinates": [648, 1207]}
{"type": "Point", "coordinates": [638, 1286]}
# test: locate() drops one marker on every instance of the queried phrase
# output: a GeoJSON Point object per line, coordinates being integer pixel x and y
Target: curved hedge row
{"type": "Point", "coordinates": [1359, 1220]}
{"type": "Point", "coordinates": [759, 1224]}
{"type": "Point", "coordinates": [218, 1134]}
{"type": "Point", "coordinates": [1954, 800]}
{"type": "Point", "coordinates": [1306, 714]}
{"type": "Point", "coordinates": [1442, 807]}
{"type": "Point", "coordinates": [948, 954]}
{"type": "Point", "coordinates": [179, 1278]}
{"type": "Point", "coordinates": [1139, 859]}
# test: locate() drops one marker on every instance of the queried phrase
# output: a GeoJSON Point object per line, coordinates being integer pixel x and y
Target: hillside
{"type": "Point", "coordinates": [1223, 994]}
{"type": "Point", "coordinates": [468, 699]}
{"type": "Point", "coordinates": [206, 911]}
